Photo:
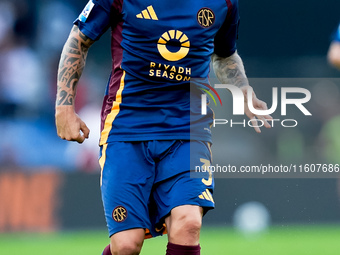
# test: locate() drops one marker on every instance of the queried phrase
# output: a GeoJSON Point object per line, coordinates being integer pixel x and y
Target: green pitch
{"type": "Point", "coordinates": [293, 240]}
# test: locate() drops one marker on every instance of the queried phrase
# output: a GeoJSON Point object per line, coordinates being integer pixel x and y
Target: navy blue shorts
{"type": "Point", "coordinates": [143, 181]}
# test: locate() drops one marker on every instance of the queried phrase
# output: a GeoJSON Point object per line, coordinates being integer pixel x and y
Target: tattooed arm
{"type": "Point", "coordinates": [72, 62]}
{"type": "Point", "coordinates": [230, 70]}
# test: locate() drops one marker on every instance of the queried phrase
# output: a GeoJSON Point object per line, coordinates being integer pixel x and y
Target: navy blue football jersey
{"type": "Point", "coordinates": [161, 56]}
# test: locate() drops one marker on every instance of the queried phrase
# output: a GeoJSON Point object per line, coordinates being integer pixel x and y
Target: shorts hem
{"type": "Point", "coordinates": [111, 233]}
{"type": "Point", "coordinates": [205, 207]}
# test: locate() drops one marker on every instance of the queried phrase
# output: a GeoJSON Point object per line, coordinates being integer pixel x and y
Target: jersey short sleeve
{"type": "Point", "coordinates": [225, 39]}
{"type": "Point", "coordinates": [94, 20]}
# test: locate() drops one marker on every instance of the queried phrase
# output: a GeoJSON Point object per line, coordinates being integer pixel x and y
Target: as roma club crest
{"type": "Point", "coordinates": [119, 214]}
{"type": "Point", "coordinates": [205, 17]}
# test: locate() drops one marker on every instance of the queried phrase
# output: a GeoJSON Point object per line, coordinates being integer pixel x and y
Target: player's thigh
{"type": "Point", "coordinates": [126, 183]}
{"type": "Point", "coordinates": [184, 197]}
{"type": "Point", "coordinates": [183, 200]}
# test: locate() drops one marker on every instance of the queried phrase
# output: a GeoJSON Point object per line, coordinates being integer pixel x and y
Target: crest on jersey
{"type": "Point", "coordinates": [205, 17]}
{"type": "Point", "coordinates": [86, 12]}
{"type": "Point", "coordinates": [119, 214]}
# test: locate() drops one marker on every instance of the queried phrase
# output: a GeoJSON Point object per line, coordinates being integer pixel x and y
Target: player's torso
{"type": "Point", "coordinates": [170, 40]}
{"type": "Point", "coordinates": [162, 46]}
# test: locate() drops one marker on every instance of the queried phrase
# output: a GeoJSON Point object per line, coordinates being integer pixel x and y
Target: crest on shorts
{"type": "Point", "coordinates": [119, 214]}
{"type": "Point", "coordinates": [205, 17]}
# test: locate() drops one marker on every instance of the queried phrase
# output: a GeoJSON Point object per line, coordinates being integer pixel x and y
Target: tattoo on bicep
{"type": "Point", "coordinates": [71, 66]}
{"type": "Point", "coordinates": [230, 71]}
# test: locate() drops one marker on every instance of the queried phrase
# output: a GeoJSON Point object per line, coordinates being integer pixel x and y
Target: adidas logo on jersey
{"type": "Point", "coordinates": [148, 13]}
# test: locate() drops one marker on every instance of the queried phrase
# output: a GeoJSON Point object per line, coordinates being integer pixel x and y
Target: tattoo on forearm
{"type": "Point", "coordinates": [230, 70]}
{"type": "Point", "coordinates": [71, 66]}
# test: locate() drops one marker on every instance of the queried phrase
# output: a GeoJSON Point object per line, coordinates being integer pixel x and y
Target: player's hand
{"type": "Point", "coordinates": [69, 126]}
{"type": "Point", "coordinates": [259, 105]}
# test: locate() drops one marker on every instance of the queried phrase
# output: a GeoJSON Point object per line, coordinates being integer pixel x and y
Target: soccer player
{"type": "Point", "coordinates": [153, 132]}
{"type": "Point", "coordinates": [334, 50]}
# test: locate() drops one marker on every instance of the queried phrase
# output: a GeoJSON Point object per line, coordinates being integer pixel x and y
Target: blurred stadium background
{"type": "Point", "coordinates": [49, 189]}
